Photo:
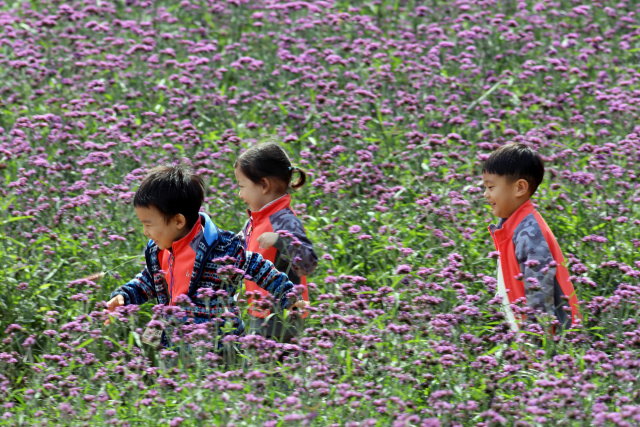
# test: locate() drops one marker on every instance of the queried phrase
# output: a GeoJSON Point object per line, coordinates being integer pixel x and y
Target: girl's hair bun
{"type": "Point", "coordinates": [267, 159]}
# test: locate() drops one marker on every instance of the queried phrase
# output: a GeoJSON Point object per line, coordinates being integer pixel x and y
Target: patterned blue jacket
{"type": "Point", "coordinates": [213, 244]}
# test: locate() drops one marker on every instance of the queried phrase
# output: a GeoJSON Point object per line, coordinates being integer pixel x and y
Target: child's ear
{"type": "Point", "coordinates": [522, 188]}
{"type": "Point", "coordinates": [181, 221]}
{"type": "Point", "coordinates": [265, 183]}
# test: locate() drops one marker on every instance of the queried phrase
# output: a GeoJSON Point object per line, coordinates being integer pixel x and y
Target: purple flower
{"type": "Point", "coordinates": [13, 327]}
{"type": "Point", "coordinates": [403, 269]}
{"type": "Point", "coordinates": [355, 229]}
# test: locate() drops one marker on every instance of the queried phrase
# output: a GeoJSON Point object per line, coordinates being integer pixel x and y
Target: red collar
{"type": "Point", "coordinates": [270, 208]}
{"type": "Point", "coordinates": [179, 245]}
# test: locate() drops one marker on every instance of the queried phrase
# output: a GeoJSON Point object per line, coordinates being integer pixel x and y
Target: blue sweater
{"type": "Point", "coordinates": [213, 244]}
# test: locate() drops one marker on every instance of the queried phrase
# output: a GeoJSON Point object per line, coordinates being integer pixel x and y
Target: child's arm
{"type": "Point", "coordinates": [265, 275]}
{"type": "Point", "coordinates": [138, 290]}
{"type": "Point", "coordinates": [299, 248]}
{"type": "Point", "coordinates": [536, 265]}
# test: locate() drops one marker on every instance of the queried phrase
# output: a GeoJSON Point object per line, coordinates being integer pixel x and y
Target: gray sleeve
{"type": "Point", "coordinates": [297, 248]}
{"type": "Point", "coordinates": [242, 230]}
{"type": "Point", "coordinates": [535, 260]}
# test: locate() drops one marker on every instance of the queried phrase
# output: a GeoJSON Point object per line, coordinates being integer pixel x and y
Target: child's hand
{"type": "Point", "coordinates": [266, 240]}
{"type": "Point", "coordinates": [117, 301]}
{"type": "Point", "coordinates": [301, 305]}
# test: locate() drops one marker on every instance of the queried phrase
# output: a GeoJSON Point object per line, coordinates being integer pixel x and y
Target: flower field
{"type": "Point", "coordinates": [392, 107]}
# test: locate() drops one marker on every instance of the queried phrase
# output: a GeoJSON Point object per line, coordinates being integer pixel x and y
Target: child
{"type": "Point", "coordinates": [182, 257]}
{"type": "Point", "coordinates": [531, 265]}
{"type": "Point", "coordinates": [264, 174]}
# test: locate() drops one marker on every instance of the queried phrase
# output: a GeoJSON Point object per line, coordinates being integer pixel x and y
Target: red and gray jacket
{"type": "Point", "coordinates": [527, 250]}
{"type": "Point", "coordinates": [292, 255]}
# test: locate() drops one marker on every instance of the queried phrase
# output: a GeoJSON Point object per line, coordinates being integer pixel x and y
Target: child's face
{"type": "Point", "coordinates": [254, 195]}
{"type": "Point", "coordinates": [503, 196]}
{"type": "Point", "coordinates": [156, 228]}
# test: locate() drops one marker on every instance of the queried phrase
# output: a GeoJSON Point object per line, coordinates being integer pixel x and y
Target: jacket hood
{"type": "Point", "coordinates": [210, 229]}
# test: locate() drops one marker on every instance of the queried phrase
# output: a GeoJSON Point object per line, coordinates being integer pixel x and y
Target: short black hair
{"type": "Point", "coordinates": [172, 190]}
{"type": "Point", "coordinates": [516, 161]}
{"type": "Point", "coordinates": [267, 159]}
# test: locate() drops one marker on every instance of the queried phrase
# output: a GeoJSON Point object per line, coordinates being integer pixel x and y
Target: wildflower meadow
{"type": "Point", "coordinates": [391, 106]}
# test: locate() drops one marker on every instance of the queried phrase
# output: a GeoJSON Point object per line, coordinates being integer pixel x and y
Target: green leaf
{"type": "Point", "coordinates": [17, 218]}
{"type": "Point", "coordinates": [283, 109]}
{"type": "Point", "coordinates": [13, 241]}
{"type": "Point", "coordinates": [86, 343]}
{"type": "Point", "coordinates": [307, 134]}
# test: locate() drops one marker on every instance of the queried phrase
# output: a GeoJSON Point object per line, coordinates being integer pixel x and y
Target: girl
{"type": "Point", "coordinates": [264, 173]}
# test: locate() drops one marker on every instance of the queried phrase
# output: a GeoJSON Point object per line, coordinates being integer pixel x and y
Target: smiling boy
{"type": "Point", "coordinates": [183, 253]}
{"type": "Point", "coordinates": [531, 264]}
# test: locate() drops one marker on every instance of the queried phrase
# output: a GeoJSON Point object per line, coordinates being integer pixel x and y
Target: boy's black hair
{"type": "Point", "coordinates": [268, 159]}
{"type": "Point", "coordinates": [516, 161]}
{"type": "Point", "coordinates": [172, 190]}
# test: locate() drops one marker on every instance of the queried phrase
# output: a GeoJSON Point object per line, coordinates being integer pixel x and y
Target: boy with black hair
{"type": "Point", "coordinates": [184, 253]}
{"type": "Point", "coordinates": [531, 264]}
